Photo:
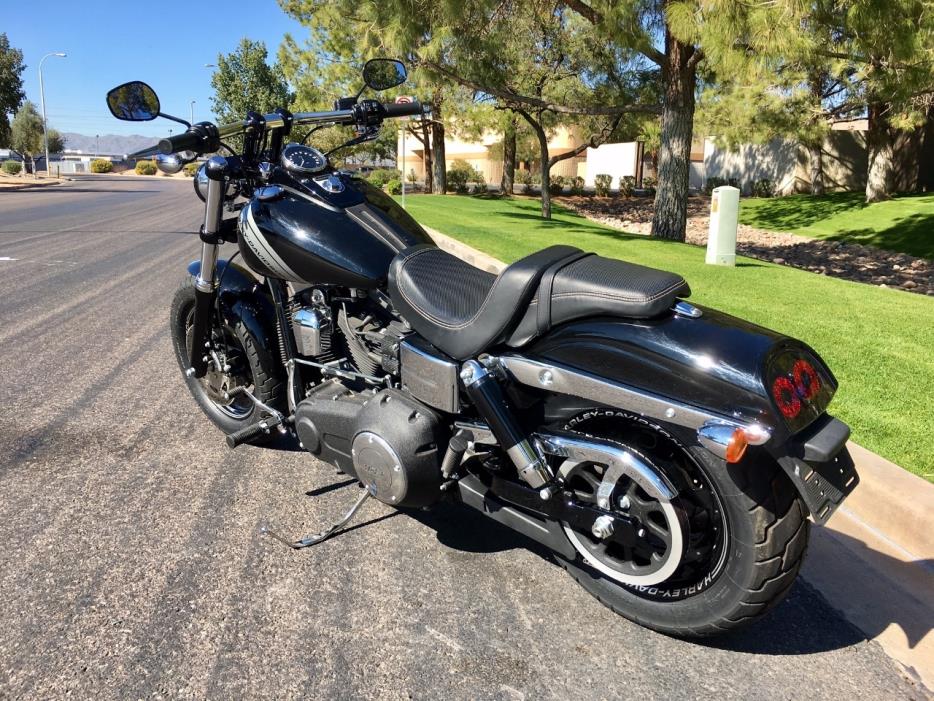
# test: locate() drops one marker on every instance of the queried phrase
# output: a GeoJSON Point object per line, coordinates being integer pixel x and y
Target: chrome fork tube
{"type": "Point", "coordinates": [205, 282]}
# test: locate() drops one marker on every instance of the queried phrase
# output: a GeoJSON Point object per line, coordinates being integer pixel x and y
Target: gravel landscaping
{"type": "Point", "coordinates": [851, 261]}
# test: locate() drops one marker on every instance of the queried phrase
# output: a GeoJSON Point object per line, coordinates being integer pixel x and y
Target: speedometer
{"type": "Point", "coordinates": [303, 159]}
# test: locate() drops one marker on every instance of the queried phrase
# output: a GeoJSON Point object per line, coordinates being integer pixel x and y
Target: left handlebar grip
{"type": "Point", "coordinates": [188, 141]}
{"type": "Point", "coordinates": [201, 138]}
{"type": "Point", "coordinates": [402, 109]}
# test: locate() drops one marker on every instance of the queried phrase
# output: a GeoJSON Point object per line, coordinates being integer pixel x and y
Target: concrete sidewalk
{"type": "Point", "coordinates": [874, 560]}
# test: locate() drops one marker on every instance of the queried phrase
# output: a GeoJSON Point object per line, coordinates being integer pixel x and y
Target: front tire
{"type": "Point", "coordinates": [251, 366]}
{"type": "Point", "coordinates": [763, 546]}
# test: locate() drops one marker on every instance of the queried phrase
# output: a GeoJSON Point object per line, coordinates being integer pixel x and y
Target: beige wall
{"type": "Point", "coordinates": [787, 164]}
{"type": "Point", "coordinates": [478, 154]}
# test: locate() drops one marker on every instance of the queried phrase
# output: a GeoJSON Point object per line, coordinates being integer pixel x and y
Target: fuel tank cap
{"type": "Point", "coordinates": [330, 183]}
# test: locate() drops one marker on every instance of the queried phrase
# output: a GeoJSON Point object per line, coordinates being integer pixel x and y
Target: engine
{"type": "Point", "coordinates": [389, 441]}
{"type": "Point", "coordinates": [352, 331]}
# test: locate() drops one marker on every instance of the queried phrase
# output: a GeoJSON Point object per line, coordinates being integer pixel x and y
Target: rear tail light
{"type": "Point", "coordinates": [785, 394]}
{"type": "Point", "coordinates": [800, 385]}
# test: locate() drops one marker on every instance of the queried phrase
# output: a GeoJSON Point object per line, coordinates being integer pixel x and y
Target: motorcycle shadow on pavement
{"type": "Point", "coordinates": [804, 623]}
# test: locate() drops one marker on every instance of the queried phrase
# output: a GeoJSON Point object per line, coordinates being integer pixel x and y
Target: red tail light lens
{"type": "Point", "coordinates": [807, 381]}
{"type": "Point", "coordinates": [786, 397]}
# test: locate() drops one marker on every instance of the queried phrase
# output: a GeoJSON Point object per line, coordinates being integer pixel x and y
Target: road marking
{"type": "Point", "coordinates": [7, 258]}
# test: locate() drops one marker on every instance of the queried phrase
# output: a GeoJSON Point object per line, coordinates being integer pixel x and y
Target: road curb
{"type": "Point", "coordinates": [874, 560]}
{"type": "Point", "coordinates": [29, 186]}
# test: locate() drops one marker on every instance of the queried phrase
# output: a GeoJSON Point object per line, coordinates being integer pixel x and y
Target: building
{"type": "Point", "coordinates": [485, 154]}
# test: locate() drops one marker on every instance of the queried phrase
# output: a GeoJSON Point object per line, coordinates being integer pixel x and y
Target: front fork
{"type": "Point", "coordinates": [205, 280]}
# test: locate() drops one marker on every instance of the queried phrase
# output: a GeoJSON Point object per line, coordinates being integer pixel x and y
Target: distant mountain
{"type": "Point", "coordinates": [109, 143]}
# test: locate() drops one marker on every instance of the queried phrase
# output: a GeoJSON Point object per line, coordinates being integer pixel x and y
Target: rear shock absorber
{"type": "Point", "coordinates": [484, 391]}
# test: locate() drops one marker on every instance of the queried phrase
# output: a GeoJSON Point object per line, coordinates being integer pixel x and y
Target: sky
{"type": "Point", "coordinates": [163, 42]}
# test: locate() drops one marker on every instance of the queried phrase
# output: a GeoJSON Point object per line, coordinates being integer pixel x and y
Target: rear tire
{"type": "Point", "coordinates": [254, 368]}
{"type": "Point", "coordinates": [767, 539]}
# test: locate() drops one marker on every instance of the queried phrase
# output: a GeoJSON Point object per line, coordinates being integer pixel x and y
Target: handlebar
{"type": "Point", "coordinates": [202, 137]}
{"type": "Point", "coordinates": [403, 109]}
{"type": "Point", "coordinates": [186, 141]}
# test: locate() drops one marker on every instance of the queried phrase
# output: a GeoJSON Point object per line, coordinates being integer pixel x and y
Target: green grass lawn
{"type": "Point", "coordinates": [904, 224]}
{"type": "Point", "coordinates": [879, 342]}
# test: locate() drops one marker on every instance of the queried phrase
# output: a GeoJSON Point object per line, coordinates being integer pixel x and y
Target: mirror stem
{"type": "Point", "coordinates": [175, 119]}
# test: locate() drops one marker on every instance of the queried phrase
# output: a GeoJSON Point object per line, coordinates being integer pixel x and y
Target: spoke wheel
{"type": "Point", "coordinates": [228, 368]}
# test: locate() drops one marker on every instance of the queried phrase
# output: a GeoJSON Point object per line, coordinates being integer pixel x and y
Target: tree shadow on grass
{"type": "Point", "coordinates": [913, 235]}
{"type": "Point", "coordinates": [799, 211]}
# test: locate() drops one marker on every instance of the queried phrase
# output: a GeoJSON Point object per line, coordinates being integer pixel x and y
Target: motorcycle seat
{"type": "Point", "coordinates": [463, 310]}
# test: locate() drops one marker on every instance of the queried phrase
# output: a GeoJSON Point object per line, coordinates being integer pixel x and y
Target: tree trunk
{"type": "Point", "coordinates": [816, 149]}
{"type": "Point", "coordinates": [426, 158]}
{"type": "Point", "coordinates": [509, 158]}
{"type": "Point", "coordinates": [881, 166]}
{"type": "Point", "coordinates": [926, 172]}
{"type": "Point", "coordinates": [439, 164]}
{"type": "Point", "coordinates": [546, 176]}
{"type": "Point", "coordinates": [674, 157]}
{"type": "Point", "coordinates": [816, 162]}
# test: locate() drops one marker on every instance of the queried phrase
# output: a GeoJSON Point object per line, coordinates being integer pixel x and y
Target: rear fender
{"type": "Point", "coordinates": [685, 373]}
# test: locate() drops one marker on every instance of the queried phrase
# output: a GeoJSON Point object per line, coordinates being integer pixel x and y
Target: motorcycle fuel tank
{"type": "Point", "coordinates": [329, 229]}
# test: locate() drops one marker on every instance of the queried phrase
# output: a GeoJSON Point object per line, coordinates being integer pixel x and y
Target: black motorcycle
{"type": "Point", "coordinates": [668, 454]}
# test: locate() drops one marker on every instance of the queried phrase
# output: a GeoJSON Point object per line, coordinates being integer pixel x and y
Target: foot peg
{"type": "Point", "coordinates": [316, 538]}
{"type": "Point", "coordinates": [244, 435]}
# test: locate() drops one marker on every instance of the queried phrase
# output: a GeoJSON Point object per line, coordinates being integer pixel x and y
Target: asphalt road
{"type": "Point", "coordinates": [130, 560]}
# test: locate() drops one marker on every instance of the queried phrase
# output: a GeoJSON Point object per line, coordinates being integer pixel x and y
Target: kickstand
{"type": "Point", "coordinates": [316, 538]}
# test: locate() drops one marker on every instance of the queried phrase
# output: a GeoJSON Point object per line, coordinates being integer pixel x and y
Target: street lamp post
{"type": "Point", "coordinates": [191, 111]}
{"type": "Point", "coordinates": [45, 124]}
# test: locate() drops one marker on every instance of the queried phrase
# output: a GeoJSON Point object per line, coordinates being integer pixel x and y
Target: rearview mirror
{"type": "Point", "coordinates": [384, 73]}
{"type": "Point", "coordinates": [133, 102]}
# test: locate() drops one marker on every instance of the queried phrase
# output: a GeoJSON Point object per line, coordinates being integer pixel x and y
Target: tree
{"type": "Point", "coordinates": [26, 133]}
{"type": "Point", "coordinates": [532, 59]}
{"type": "Point", "coordinates": [509, 156]}
{"type": "Point", "coordinates": [343, 34]}
{"type": "Point", "coordinates": [244, 81]}
{"type": "Point", "coordinates": [789, 69]}
{"type": "Point", "coordinates": [56, 142]}
{"type": "Point", "coordinates": [11, 86]}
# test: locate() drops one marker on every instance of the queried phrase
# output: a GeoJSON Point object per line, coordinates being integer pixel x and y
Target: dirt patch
{"type": "Point", "coordinates": [850, 261]}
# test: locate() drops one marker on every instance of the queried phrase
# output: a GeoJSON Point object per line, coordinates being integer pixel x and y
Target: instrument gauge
{"type": "Point", "coordinates": [299, 158]}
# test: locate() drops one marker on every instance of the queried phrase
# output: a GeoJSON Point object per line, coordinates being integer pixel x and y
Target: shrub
{"type": "Point", "coordinates": [556, 184]}
{"type": "Point", "coordinates": [602, 184]}
{"type": "Point", "coordinates": [627, 184]}
{"type": "Point", "coordinates": [411, 177]}
{"type": "Point", "coordinates": [577, 185]}
{"type": "Point", "coordinates": [381, 176]}
{"type": "Point", "coordinates": [12, 167]}
{"type": "Point", "coordinates": [523, 178]}
{"type": "Point", "coordinates": [711, 183]}
{"type": "Point", "coordinates": [146, 168]}
{"type": "Point", "coordinates": [478, 189]}
{"type": "Point", "coordinates": [101, 165]}
{"type": "Point", "coordinates": [394, 187]}
{"type": "Point", "coordinates": [191, 169]}
{"type": "Point", "coordinates": [460, 173]}
{"type": "Point", "coordinates": [648, 184]}
{"type": "Point", "coordinates": [763, 188]}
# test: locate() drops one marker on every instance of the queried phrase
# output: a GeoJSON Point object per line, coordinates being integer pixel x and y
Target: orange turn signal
{"type": "Point", "coordinates": [736, 448]}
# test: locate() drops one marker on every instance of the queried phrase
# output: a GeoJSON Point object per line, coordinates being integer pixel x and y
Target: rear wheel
{"type": "Point", "coordinates": [236, 360]}
{"type": "Point", "coordinates": [743, 527]}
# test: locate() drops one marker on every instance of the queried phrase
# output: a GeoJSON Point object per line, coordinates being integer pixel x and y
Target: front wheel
{"type": "Point", "coordinates": [741, 533]}
{"type": "Point", "coordinates": [236, 360]}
